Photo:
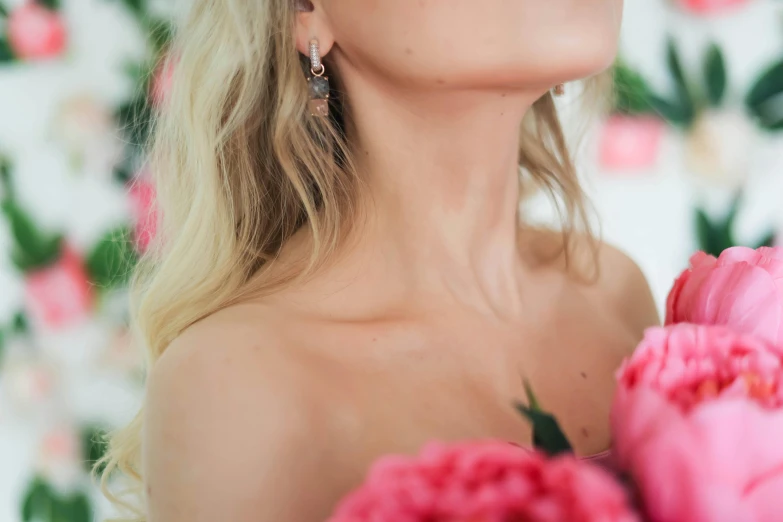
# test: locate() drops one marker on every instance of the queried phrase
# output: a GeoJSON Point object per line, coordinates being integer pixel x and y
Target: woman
{"type": "Point", "coordinates": [329, 289]}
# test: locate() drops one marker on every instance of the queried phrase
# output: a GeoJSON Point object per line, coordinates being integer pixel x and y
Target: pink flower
{"type": "Point", "coordinates": [697, 422]}
{"type": "Point", "coordinates": [742, 289]}
{"type": "Point", "coordinates": [36, 32]}
{"type": "Point", "coordinates": [60, 459]}
{"type": "Point", "coordinates": [484, 482]}
{"type": "Point", "coordinates": [60, 294]}
{"type": "Point", "coordinates": [706, 7]}
{"type": "Point", "coordinates": [630, 143]}
{"type": "Point", "coordinates": [163, 81]}
{"type": "Point", "coordinates": [142, 197]}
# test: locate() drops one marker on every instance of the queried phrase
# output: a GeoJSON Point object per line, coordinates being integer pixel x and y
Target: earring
{"type": "Point", "coordinates": [559, 89]}
{"type": "Point", "coordinates": [318, 83]}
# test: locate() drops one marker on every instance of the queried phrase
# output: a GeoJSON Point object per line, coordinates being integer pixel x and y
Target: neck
{"type": "Point", "coordinates": [442, 185]}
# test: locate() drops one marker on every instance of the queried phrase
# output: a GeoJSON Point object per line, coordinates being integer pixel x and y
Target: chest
{"type": "Point", "coordinates": [399, 384]}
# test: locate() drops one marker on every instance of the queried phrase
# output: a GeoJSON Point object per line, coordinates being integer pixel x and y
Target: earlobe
{"type": "Point", "coordinates": [311, 24]}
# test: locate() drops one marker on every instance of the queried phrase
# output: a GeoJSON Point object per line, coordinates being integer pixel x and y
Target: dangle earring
{"type": "Point", "coordinates": [318, 83]}
{"type": "Point", "coordinates": [559, 89]}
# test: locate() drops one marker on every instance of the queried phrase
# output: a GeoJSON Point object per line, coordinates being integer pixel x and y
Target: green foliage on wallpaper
{"type": "Point", "coordinates": [31, 248]}
{"type": "Point", "coordinates": [6, 53]}
{"type": "Point", "coordinates": [765, 98]}
{"type": "Point", "coordinates": [632, 94]}
{"type": "Point", "coordinates": [43, 504]}
{"type": "Point", "coordinates": [715, 75]}
{"type": "Point", "coordinates": [111, 261]}
{"type": "Point", "coordinates": [95, 444]}
{"type": "Point", "coordinates": [54, 5]}
{"type": "Point", "coordinates": [716, 235]}
{"type": "Point", "coordinates": [687, 98]}
{"type": "Point", "coordinates": [680, 109]}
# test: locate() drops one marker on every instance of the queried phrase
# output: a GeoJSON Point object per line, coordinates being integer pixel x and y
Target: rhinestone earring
{"type": "Point", "coordinates": [559, 89]}
{"type": "Point", "coordinates": [318, 83]}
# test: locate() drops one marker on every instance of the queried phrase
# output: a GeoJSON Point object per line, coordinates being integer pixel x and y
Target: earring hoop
{"type": "Point", "coordinates": [318, 83]}
{"type": "Point", "coordinates": [316, 66]}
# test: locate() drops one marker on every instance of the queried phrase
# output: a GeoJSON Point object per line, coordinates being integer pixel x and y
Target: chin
{"type": "Point", "coordinates": [582, 57]}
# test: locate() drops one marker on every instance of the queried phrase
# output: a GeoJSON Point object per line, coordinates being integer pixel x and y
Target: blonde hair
{"type": "Point", "coordinates": [240, 166]}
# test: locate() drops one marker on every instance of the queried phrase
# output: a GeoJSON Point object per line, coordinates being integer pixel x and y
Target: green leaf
{"type": "Point", "coordinates": [137, 7]}
{"type": "Point", "coordinates": [706, 235]}
{"type": "Point", "coordinates": [20, 325]}
{"type": "Point", "coordinates": [672, 112]}
{"type": "Point", "coordinates": [715, 75]}
{"type": "Point", "coordinates": [122, 174]}
{"type": "Point", "coordinates": [5, 179]}
{"type": "Point", "coordinates": [6, 51]}
{"type": "Point", "coordinates": [769, 113]}
{"type": "Point", "coordinates": [547, 434]}
{"type": "Point", "coordinates": [674, 63]}
{"type": "Point", "coordinates": [53, 5]}
{"type": "Point", "coordinates": [31, 249]}
{"type": "Point", "coordinates": [685, 104]}
{"type": "Point", "coordinates": [160, 34]}
{"type": "Point", "coordinates": [37, 502]}
{"type": "Point", "coordinates": [94, 446]}
{"type": "Point", "coordinates": [632, 95]}
{"type": "Point", "coordinates": [772, 126]}
{"type": "Point", "coordinates": [111, 261]}
{"type": "Point", "coordinates": [767, 240]}
{"type": "Point", "coordinates": [768, 85]}
{"type": "Point", "coordinates": [3, 10]}
{"type": "Point", "coordinates": [135, 119]}
{"type": "Point", "coordinates": [75, 508]}
{"type": "Point", "coordinates": [716, 236]}
{"type": "Point", "coordinates": [733, 212]}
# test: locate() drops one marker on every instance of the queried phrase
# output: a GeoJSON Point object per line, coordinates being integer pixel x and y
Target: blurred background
{"type": "Point", "coordinates": [690, 158]}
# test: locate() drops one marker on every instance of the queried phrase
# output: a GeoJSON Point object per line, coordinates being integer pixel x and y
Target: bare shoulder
{"type": "Point", "coordinates": [624, 286]}
{"type": "Point", "coordinates": [617, 280]}
{"type": "Point", "coordinates": [231, 430]}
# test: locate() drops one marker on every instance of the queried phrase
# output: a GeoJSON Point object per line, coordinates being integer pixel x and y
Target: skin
{"type": "Point", "coordinates": [432, 314]}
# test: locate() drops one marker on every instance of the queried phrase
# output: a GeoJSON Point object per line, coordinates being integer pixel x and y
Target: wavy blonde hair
{"type": "Point", "coordinates": [241, 166]}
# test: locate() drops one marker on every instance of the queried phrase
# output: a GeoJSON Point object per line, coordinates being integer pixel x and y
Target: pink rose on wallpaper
{"type": "Point", "coordinates": [36, 32]}
{"type": "Point", "coordinates": [742, 289]}
{"type": "Point", "coordinates": [162, 81]}
{"type": "Point", "coordinates": [697, 421]}
{"type": "Point", "coordinates": [60, 458]}
{"type": "Point", "coordinates": [706, 7]}
{"type": "Point", "coordinates": [484, 482]}
{"type": "Point", "coordinates": [60, 294]}
{"type": "Point", "coordinates": [630, 143]}
{"type": "Point", "coordinates": [142, 197]}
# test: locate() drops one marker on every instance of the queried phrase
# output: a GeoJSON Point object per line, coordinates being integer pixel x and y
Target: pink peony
{"type": "Point", "coordinates": [742, 289]}
{"type": "Point", "coordinates": [484, 482]}
{"type": "Point", "coordinates": [60, 294]}
{"type": "Point", "coordinates": [142, 197]}
{"type": "Point", "coordinates": [706, 7]}
{"type": "Point", "coordinates": [630, 143]}
{"type": "Point", "coordinates": [36, 32]}
{"type": "Point", "coordinates": [697, 422]}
